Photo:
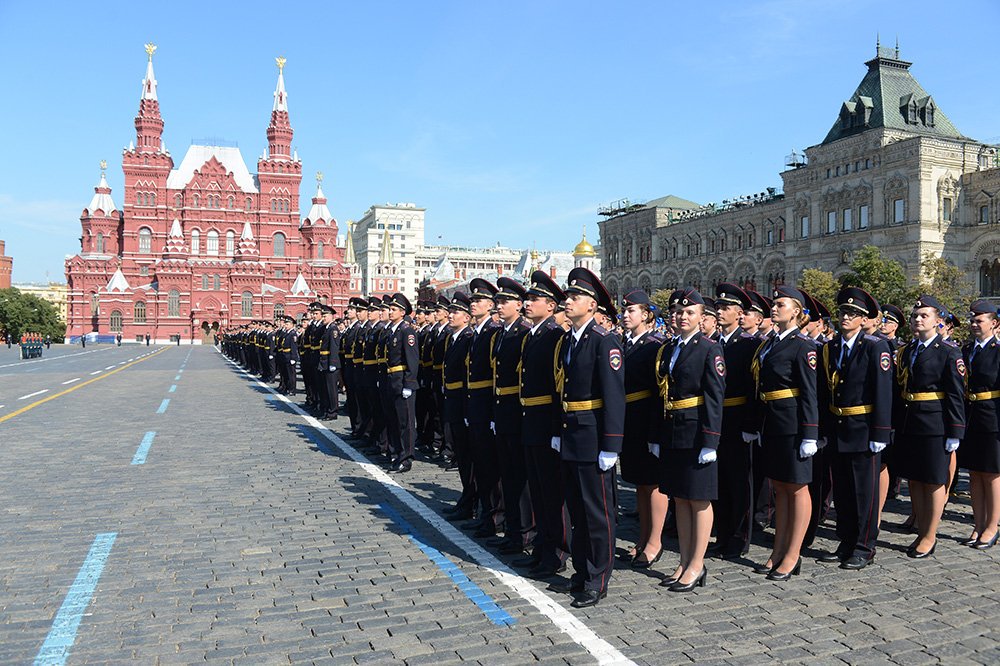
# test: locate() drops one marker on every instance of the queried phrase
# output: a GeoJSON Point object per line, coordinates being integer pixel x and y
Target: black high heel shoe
{"type": "Point", "coordinates": [782, 577]}
{"type": "Point", "coordinates": [678, 586]}
{"type": "Point", "coordinates": [667, 582]}
{"type": "Point", "coordinates": [917, 555]}
{"type": "Point", "coordinates": [971, 541]}
{"type": "Point", "coordinates": [763, 569]}
{"type": "Point", "coordinates": [640, 561]}
{"type": "Point", "coordinates": [986, 545]}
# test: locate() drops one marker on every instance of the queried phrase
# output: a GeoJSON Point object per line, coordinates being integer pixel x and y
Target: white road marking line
{"type": "Point", "coordinates": [584, 636]}
{"type": "Point", "coordinates": [96, 372]}
{"type": "Point", "coordinates": [109, 367]}
{"type": "Point", "coordinates": [32, 395]}
{"type": "Point", "coordinates": [71, 381]}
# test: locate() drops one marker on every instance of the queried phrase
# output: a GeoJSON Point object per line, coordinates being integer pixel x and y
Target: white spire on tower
{"type": "Point", "coordinates": [149, 83]}
{"type": "Point", "coordinates": [247, 234]}
{"type": "Point", "coordinates": [280, 96]}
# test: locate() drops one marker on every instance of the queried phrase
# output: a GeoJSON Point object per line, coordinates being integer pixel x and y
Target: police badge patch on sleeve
{"type": "Point", "coordinates": [885, 361]}
{"type": "Point", "coordinates": [720, 366]}
{"type": "Point", "coordinates": [615, 359]}
{"type": "Point", "coordinates": [960, 363]}
{"type": "Point", "coordinates": [410, 340]}
{"type": "Point", "coordinates": [811, 357]}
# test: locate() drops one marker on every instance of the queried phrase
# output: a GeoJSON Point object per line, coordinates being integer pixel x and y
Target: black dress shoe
{"type": "Point", "coordinates": [642, 562]}
{"type": "Point", "coordinates": [571, 587]}
{"type": "Point", "coordinates": [985, 545]}
{"type": "Point", "coordinates": [782, 577]}
{"type": "Point", "coordinates": [856, 562]}
{"type": "Point", "coordinates": [510, 548]}
{"type": "Point", "coordinates": [450, 465]}
{"type": "Point", "coordinates": [526, 562]}
{"type": "Point", "coordinates": [402, 467]}
{"type": "Point", "coordinates": [546, 570]}
{"type": "Point", "coordinates": [836, 556]}
{"type": "Point", "coordinates": [915, 554]}
{"type": "Point", "coordinates": [588, 598]}
{"type": "Point", "coordinates": [700, 581]}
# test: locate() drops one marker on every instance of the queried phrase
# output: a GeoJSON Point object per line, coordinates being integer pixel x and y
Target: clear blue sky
{"type": "Point", "coordinates": [509, 122]}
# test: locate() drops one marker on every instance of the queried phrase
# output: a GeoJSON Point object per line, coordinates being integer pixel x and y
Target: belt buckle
{"type": "Point", "coordinates": [909, 397]}
{"type": "Point", "coordinates": [838, 411]}
{"type": "Point", "coordinates": [972, 397]}
{"type": "Point", "coordinates": [669, 404]}
{"type": "Point", "coordinates": [565, 406]}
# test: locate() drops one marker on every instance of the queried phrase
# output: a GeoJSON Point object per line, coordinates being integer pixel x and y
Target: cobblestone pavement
{"type": "Point", "coordinates": [249, 535]}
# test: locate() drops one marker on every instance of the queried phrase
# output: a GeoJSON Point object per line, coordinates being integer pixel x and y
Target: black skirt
{"type": "Point", "coordinates": [922, 458]}
{"type": "Point", "coordinates": [639, 466]}
{"type": "Point", "coordinates": [683, 477]}
{"type": "Point", "coordinates": [980, 452]}
{"type": "Point", "coordinates": [782, 461]}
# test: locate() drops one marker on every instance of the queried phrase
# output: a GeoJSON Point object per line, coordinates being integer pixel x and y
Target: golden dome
{"type": "Point", "coordinates": [583, 248]}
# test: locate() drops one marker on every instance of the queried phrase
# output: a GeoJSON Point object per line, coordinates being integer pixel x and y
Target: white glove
{"type": "Point", "coordinates": [466, 422]}
{"type": "Point", "coordinates": [292, 362]}
{"type": "Point", "coordinates": [606, 460]}
{"type": "Point", "coordinates": [808, 448]}
{"type": "Point", "coordinates": [951, 445]}
{"type": "Point", "coordinates": [270, 358]}
{"type": "Point", "coordinates": [556, 444]}
{"type": "Point", "coordinates": [750, 437]}
{"type": "Point", "coordinates": [493, 427]}
{"type": "Point", "coordinates": [654, 449]}
{"type": "Point", "coordinates": [333, 368]}
{"type": "Point", "coordinates": [706, 456]}
{"type": "Point", "coordinates": [876, 447]}
{"type": "Point", "coordinates": [407, 393]}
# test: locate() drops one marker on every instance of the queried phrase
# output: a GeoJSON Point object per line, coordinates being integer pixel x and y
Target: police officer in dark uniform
{"type": "Point", "coordinates": [402, 365]}
{"type": "Point", "coordinates": [290, 348]}
{"type": "Point", "coordinates": [327, 365]}
{"type": "Point", "coordinates": [858, 372]}
{"type": "Point", "coordinates": [425, 397]}
{"type": "Point", "coordinates": [931, 377]}
{"type": "Point", "coordinates": [453, 379]}
{"type": "Point", "coordinates": [541, 420]}
{"type": "Point", "coordinates": [439, 442]}
{"type": "Point", "coordinates": [733, 515]}
{"type": "Point", "coordinates": [370, 377]}
{"type": "Point", "coordinates": [592, 386]}
{"type": "Point", "coordinates": [357, 315]}
{"type": "Point", "coordinates": [892, 319]}
{"type": "Point", "coordinates": [479, 409]}
{"type": "Point", "coordinates": [508, 340]}
{"type": "Point", "coordinates": [360, 372]}
{"type": "Point", "coordinates": [310, 355]}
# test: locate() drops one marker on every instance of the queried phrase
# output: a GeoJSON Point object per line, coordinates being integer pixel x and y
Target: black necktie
{"type": "Point", "coordinates": [913, 361]}
{"type": "Point", "coordinates": [975, 348]}
{"type": "Point", "coordinates": [628, 344]}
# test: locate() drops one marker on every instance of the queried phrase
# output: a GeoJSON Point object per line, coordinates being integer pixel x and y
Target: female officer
{"type": "Point", "coordinates": [692, 375]}
{"type": "Point", "coordinates": [785, 367]}
{"type": "Point", "coordinates": [980, 452]}
{"type": "Point", "coordinates": [639, 466]}
{"type": "Point", "coordinates": [930, 374]}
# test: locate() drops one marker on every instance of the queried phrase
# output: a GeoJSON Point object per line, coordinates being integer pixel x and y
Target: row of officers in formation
{"type": "Point", "coordinates": [537, 396]}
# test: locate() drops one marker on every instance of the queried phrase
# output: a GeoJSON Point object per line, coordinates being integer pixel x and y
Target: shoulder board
{"type": "Point", "coordinates": [599, 330]}
{"type": "Point", "coordinates": [656, 336]}
{"type": "Point", "coordinates": [802, 336]}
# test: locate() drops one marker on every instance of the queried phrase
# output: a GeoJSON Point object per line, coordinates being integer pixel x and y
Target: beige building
{"type": "Point", "coordinates": [55, 293]}
{"type": "Point", "coordinates": [892, 172]}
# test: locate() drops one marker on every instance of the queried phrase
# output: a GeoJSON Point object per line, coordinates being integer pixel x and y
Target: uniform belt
{"type": "Point", "coordinates": [481, 384]}
{"type": "Point", "coordinates": [507, 390]}
{"type": "Point", "coordinates": [735, 402]}
{"type": "Point", "coordinates": [582, 405]}
{"type": "Point", "coordinates": [983, 395]}
{"type": "Point", "coordinates": [537, 401]}
{"type": "Point", "coordinates": [638, 395]}
{"type": "Point", "coordinates": [923, 397]}
{"type": "Point", "coordinates": [369, 361]}
{"type": "Point", "coordinates": [438, 366]}
{"type": "Point", "coordinates": [285, 349]}
{"type": "Point", "coordinates": [780, 394]}
{"type": "Point", "coordinates": [855, 410]}
{"type": "Point", "coordinates": [359, 361]}
{"type": "Point", "coordinates": [325, 353]}
{"type": "Point", "coordinates": [396, 368]}
{"type": "Point", "coordinates": [451, 386]}
{"type": "Point", "coordinates": [350, 356]}
{"type": "Point", "coordinates": [684, 403]}
{"type": "Point", "coordinates": [425, 364]}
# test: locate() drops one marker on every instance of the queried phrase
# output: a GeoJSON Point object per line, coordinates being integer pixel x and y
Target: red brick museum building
{"type": "Point", "coordinates": [203, 245]}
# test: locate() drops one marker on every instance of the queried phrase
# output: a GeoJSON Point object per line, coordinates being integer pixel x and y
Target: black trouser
{"type": "Point", "coordinates": [376, 434]}
{"type": "Point", "coordinates": [364, 404]}
{"type": "Point", "coordinates": [819, 492]}
{"type": "Point", "coordinates": [308, 384]}
{"type": "Point", "coordinates": [329, 391]}
{"type": "Point", "coordinates": [457, 440]}
{"type": "Point", "coordinates": [520, 523]}
{"type": "Point", "coordinates": [424, 408]}
{"type": "Point", "coordinates": [269, 368]}
{"type": "Point", "coordinates": [350, 388]}
{"type": "Point", "coordinates": [400, 421]}
{"type": "Point", "coordinates": [438, 442]}
{"type": "Point", "coordinates": [732, 509]}
{"type": "Point", "coordinates": [548, 505]}
{"type": "Point", "coordinates": [282, 364]}
{"type": "Point", "coordinates": [855, 491]}
{"type": "Point", "coordinates": [590, 498]}
{"type": "Point", "coordinates": [486, 470]}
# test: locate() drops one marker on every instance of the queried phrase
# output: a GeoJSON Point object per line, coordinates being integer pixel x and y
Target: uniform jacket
{"type": "Point", "coordinates": [984, 375]}
{"type": "Point", "coordinates": [541, 418]}
{"type": "Point", "coordinates": [328, 354]}
{"type": "Point", "coordinates": [453, 375]}
{"type": "Point", "coordinates": [402, 359]}
{"type": "Point", "coordinates": [700, 370]}
{"type": "Point", "coordinates": [347, 347]}
{"type": "Point", "coordinates": [425, 349]}
{"type": "Point", "coordinates": [479, 382]}
{"type": "Point", "coordinates": [593, 369]}
{"type": "Point", "coordinates": [640, 379]}
{"type": "Point", "coordinates": [864, 378]}
{"type": "Point", "coordinates": [289, 345]}
{"type": "Point", "coordinates": [506, 351]}
{"type": "Point", "coordinates": [369, 376]}
{"type": "Point", "coordinates": [738, 354]}
{"type": "Point", "coordinates": [938, 368]}
{"type": "Point", "coordinates": [437, 355]}
{"type": "Point", "coordinates": [790, 363]}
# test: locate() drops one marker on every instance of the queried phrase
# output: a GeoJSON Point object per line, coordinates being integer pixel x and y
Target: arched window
{"type": "Point", "coordinates": [216, 282]}
{"type": "Point", "coordinates": [279, 309]}
{"type": "Point", "coordinates": [195, 241]}
{"type": "Point", "coordinates": [99, 243]}
{"type": "Point", "coordinates": [246, 304]}
{"type": "Point", "coordinates": [145, 240]}
{"type": "Point", "coordinates": [279, 244]}
{"type": "Point", "coordinates": [319, 250]}
{"type": "Point", "coordinates": [249, 204]}
{"type": "Point", "coordinates": [230, 243]}
{"type": "Point", "coordinates": [231, 203]}
{"type": "Point", "coordinates": [212, 243]}
{"type": "Point", "coordinates": [152, 199]}
{"type": "Point", "coordinates": [95, 305]}
{"type": "Point", "coordinates": [138, 198]}
{"type": "Point", "coordinates": [204, 282]}
{"type": "Point", "coordinates": [196, 200]}
{"type": "Point", "coordinates": [179, 201]}
{"type": "Point", "coordinates": [139, 312]}
{"type": "Point", "coordinates": [116, 321]}
{"type": "Point", "coordinates": [174, 303]}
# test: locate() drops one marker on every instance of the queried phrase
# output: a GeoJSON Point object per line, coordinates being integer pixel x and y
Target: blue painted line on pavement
{"type": "Point", "coordinates": [163, 406]}
{"type": "Point", "coordinates": [490, 609]}
{"type": "Point", "coordinates": [62, 635]}
{"type": "Point", "coordinates": [172, 388]}
{"type": "Point", "coordinates": [140, 454]}
{"type": "Point", "coordinates": [177, 378]}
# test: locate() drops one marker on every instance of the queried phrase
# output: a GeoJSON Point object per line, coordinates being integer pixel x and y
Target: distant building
{"type": "Point", "coordinates": [6, 267]}
{"type": "Point", "coordinates": [893, 172]}
{"type": "Point", "coordinates": [54, 292]}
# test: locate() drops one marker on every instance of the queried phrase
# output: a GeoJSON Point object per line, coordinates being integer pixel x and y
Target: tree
{"type": "Point", "coordinates": [661, 298]}
{"type": "Point", "coordinates": [26, 313]}
{"type": "Point", "coordinates": [947, 283]}
{"type": "Point", "coordinates": [821, 285]}
{"type": "Point", "coordinates": [883, 278]}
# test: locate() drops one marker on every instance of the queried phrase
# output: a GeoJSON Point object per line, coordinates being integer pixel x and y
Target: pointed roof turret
{"type": "Point", "coordinates": [148, 123]}
{"type": "Point", "coordinates": [280, 96]}
{"type": "Point", "coordinates": [279, 131]}
{"type": "Point", "coordinates": [349, 258]}
{"type": "Point", "coordinates": [583, 248]}
{"type": "Point", "coordinates": [319, 211]}
{"type": "Point", "coordinates": [102, 195]}
{"type": "Point", "coordinates": [385, 254]}
{"type": "Point", "coordinates": [175, 240]}
{"type": "Point", "coordinates": [149, 81]}
{"type": "Point", "coordinates": [118, 282]}
{"type": "Point", "coordinates": [247, 247]}
{"type": "Point", "coordinates": [300, 286]}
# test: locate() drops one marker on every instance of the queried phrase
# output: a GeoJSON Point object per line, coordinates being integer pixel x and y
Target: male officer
{"type": "Point", "coordinates": [732, 509]}
{"type": "Point", "coordinates": [376, 422]}
{"type": "Point", "coordinates": [327, 368]}
{"type": "Point", "coordinates": [541, 421]}
{"type": "Point", "coordinates": [593, 404]}
{"type": "Point", "coordinates": [507, 344]}
{"type": "Point", "coordinates": [479, 409]}
{"type": "Point", "coordinates": [859, 375]}
{"type": "Point", "coordinates": [437, 367]}
{"type": "Point", "coordinates": [268, 352]}
{"type": "Point", "coordinates": [290, 348]}
{"type": "Point", "coordinates": [425, 398]}
{"type": "Point", "coordinates": [402, 365]}
{"type": "Point", "coordinates": [753, 319]}
{"type": "Point", "coordinates": [360, 373]}
{"type": "Point", "coordinates": [310, 347]}
{"type": "Point", "coordinates": [453, 379]}
{"type": "Point", "coordinates": [354, 324]}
